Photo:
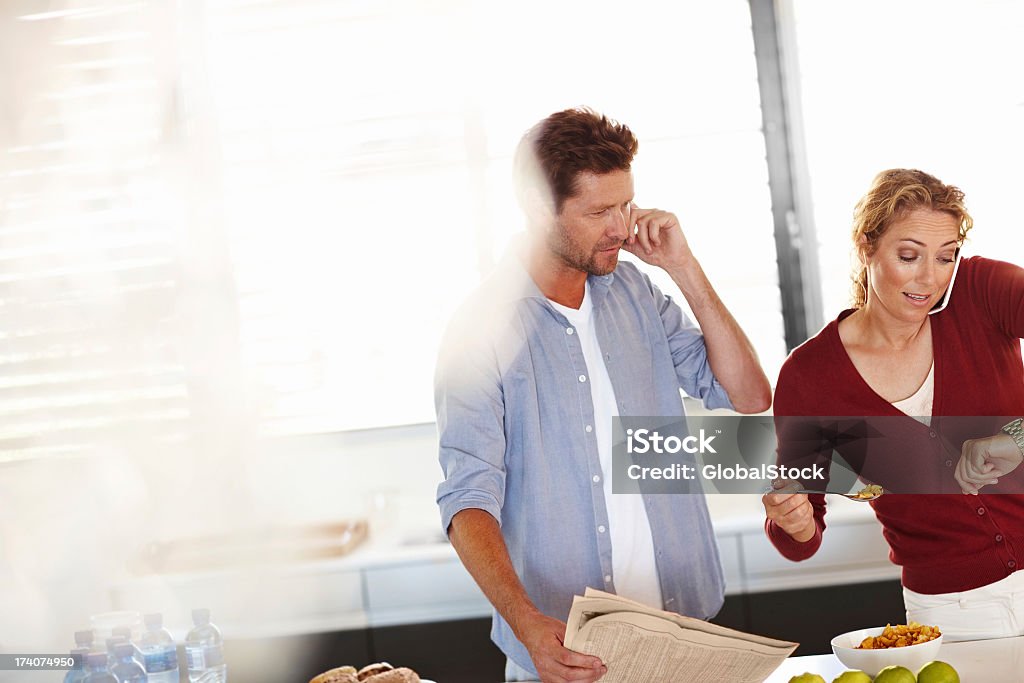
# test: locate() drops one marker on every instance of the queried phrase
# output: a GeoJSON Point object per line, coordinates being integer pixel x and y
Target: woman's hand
{"type": "Point", "coordinates": [983, 461]}
{"type": "Point", "coordinates": [792, 512]}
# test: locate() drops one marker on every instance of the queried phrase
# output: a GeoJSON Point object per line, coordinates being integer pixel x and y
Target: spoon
{"type": "Point", "coordinates": [865, 495]}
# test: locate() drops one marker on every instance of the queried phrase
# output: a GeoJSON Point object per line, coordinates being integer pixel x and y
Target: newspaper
{"type": "Point", "coordinates": [641, 644]}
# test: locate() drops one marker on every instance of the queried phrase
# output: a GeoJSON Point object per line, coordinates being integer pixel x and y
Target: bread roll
{"type": "Point", "coordinates": [402, 675]}
{"type": "Point", "coordinates": [373, 670]}
{"type": "Point", "coordinates": [343, 674]}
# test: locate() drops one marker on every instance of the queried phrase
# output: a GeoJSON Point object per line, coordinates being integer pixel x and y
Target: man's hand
{"type": "Point", "coordinates": [476, 537]}
{"type": "Point", "coordinates": [543, 638]}
{"type": "Point", "coordinates": [792, 512]}
{"type": "Point", "coordinates": [658, 239]}
{"type": "Point", "coordinates": [983, 461]}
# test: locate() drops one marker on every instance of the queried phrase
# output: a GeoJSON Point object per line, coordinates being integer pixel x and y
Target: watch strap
{"type": "Point", "coordinates": [1015, 430]}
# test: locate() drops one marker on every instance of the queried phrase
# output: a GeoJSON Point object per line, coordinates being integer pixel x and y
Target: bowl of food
{"type": "Point", "coordinates": [872, 649]}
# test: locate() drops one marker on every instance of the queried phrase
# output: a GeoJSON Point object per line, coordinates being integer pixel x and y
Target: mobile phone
{"type": "Point", "coordinates": [949, 290]}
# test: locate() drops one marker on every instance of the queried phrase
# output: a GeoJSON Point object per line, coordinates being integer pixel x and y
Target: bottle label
{"type": "Point", "coordinates": [201, 658]}
{"type": "Point", "coordinates": [160, 659]}
{"type": "Point", "coordinates": [214, 656]}
{"type": "Point", "coordinates": [194, 654]}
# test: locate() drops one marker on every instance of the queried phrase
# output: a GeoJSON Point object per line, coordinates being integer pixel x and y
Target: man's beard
{"type": "Point", "coordinates": [575, 256]}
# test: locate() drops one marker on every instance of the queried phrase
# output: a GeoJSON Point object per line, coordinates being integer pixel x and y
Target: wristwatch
{"type": "Point", "coordinates": [1016, 432]}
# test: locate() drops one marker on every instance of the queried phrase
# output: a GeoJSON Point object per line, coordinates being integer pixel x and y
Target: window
{"type": "Point", "coordinates": [274, 207]}
{"type": "Point", "coordinates": [929, 85]}
{"type": "Point", "coordinates": [93, 231]}
{"type": "Point", "coordinates": [367, 173]}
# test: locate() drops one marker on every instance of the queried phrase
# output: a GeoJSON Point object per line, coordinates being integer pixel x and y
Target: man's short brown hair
{"type": "Point", "coordinates": [555, 151]}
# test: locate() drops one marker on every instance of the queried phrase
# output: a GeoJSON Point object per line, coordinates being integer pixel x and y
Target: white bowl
{"type": "Point", "coordinates": [871, 662]}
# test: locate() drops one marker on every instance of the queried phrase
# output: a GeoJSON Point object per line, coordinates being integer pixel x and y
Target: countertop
{"type": "Point", "coordinates": [991, 661]}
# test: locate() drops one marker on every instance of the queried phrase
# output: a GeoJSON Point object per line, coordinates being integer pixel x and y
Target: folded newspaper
{"type": "Point", "coordinates": [642, 644]}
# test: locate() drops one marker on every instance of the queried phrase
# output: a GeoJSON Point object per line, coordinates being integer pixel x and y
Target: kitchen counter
{"type": "Point", "coordinates": [991, 661]}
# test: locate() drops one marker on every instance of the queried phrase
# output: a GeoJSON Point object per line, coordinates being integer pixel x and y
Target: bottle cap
{"type": "Point", "coordinates": [124, 650]}
{"type": "Point", "coordinates": [154, 621]}
{"type": "Point", "coordinates": [201, 616]}
{"type": "Point", "coordinates": [83, 637]}
{"type": "Point", "coordinates": [96, 659]}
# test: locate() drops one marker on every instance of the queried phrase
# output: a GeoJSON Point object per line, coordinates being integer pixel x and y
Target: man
{"type": "Point", "coordinates": [558, 341]}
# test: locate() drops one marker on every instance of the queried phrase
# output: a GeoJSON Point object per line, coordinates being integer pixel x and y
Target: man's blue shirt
{"type": "Point", "coordinates": [513, 400]}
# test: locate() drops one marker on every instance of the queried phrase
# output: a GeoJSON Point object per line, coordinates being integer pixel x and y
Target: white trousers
{"type": "Point", "coordinates": [992, 611]}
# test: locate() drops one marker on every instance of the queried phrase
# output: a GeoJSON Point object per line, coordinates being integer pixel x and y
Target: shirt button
{"type": "Point", "coordinates": [601, 528]}
{"type": "Point", "coordinates": [607, 578]}
{"type": "Point", "coordinates": [949, 463]}
{"type": "Point", "coordinates": [981, 511]}
{"type": "Point", "coordinates": [583, 378]}
{"type": "Point", "coordinates": [568, 330]}
{"type": "Point", "coordinates": [589, 429]}
{"type": "Point", "coordinates": [999, 538]}
{"type": "Point", "coordinates": [597, 479]}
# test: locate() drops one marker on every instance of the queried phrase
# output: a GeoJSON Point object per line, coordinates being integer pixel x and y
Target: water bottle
{"type": "Point", "coordinates": [113, 642]}
{"type": "Point", "coordinates": [204, 649]}
{"type": "Point", "coordinates": [84, 639]}
{"type": "Point", "coordinates": [96, 670]}
{"type": "Point", "coordinates": [78, 675]}
{"type": "Point", "coordinates": [126, 669]}
{"type": "Point", "coordinates": [159, 655]}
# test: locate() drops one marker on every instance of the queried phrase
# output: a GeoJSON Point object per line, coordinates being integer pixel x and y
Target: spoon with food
{"type": "Point", "coordinates": [867, 494]}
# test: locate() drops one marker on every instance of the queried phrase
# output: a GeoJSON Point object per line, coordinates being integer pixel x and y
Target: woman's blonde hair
{"type": "Point", "coordinates": [893, 194]}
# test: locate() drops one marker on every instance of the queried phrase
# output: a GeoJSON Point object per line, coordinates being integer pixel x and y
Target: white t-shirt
{"type": "Point", "coordinates": [634, 572]}
{"type": "Point", "coordinates": [919, 405]}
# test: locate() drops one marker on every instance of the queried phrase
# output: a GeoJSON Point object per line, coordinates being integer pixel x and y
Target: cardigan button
{"type": "Point", "coordinates": [981, 511]}
{"type": "Point", "coordinates": [999, 538]}
{"type": "Point", "coordinates": [1011, 564]}
{"type": "Point", "coordinates": [949, 463]}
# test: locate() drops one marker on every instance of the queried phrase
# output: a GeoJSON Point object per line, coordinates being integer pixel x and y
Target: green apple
{"type": "Point", "coordinates": [895, 674]}
{"type": "Point", "coordinates": [937, 672]}
{"type": "Point", "coordinates": [852, 677]}
{"type": "Point", "coordinates": [807, 678]}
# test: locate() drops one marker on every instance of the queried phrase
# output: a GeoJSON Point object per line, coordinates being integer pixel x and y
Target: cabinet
{"type": "Point", "coordinates": [417, 605]}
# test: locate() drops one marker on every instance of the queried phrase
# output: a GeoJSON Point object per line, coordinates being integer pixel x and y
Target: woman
{"type": "Point", "coordinates": [961, 554]}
